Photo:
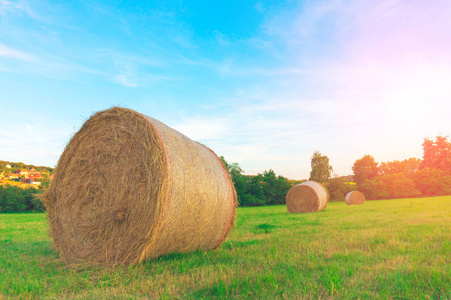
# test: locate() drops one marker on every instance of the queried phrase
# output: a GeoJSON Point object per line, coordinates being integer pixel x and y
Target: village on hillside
{"type": "Point", "coordinates": [26, 176]}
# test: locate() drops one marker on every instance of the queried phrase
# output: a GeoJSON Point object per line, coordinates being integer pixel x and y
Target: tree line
{"type": "Point", "coordinates": [13, 198]}
{"type": "Point", "coordinates": [262, 189]}
{"type": "Point", "coordinates": [267, 188]}
{"type": "Point", "coordinates": [413, 177]}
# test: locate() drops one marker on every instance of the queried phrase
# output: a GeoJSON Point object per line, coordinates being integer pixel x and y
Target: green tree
{"type": "Point", "coordinates": [437, 154]}
{"type": "Point", "coordinates": [12, 199]}
{"type": "Point", "coordinates": [432, 182]}
{"type": "Point", "coordinates": [338, 188]}
{"type": "Point", "coordinates": [240, 182]}
{"type": "Point", "coordinates": [374, 188]}
{"type": "Point", "coordinates": [407, 166]}
{"type": "Point", "coordinates": [365, 169]}
{"type": "Point", "coordinates": [399, 185]}
{"type": "Point", "coordinates": [274, 187]}
{"type": "Point", "coordinates": [321, 170]}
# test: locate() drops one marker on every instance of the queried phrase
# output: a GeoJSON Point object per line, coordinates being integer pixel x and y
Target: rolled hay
{"type": "Point", "coordinates": [355, 197]}
{"type": "Point", "coordinates": [309, 196]}
{"type": "Point", "coordinates": [129, 188]}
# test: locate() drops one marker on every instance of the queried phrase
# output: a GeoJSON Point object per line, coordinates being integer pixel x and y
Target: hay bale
{"type": "Point", "coordinates": [355, 197]}
{"type": "Point", "coordinates": [129, 188]}
{"type": "Point", "coordinates": [308, 196]}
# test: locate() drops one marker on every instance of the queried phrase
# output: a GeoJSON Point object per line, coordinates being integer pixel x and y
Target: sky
{"type": "Point", "coordinates": [262, 83]}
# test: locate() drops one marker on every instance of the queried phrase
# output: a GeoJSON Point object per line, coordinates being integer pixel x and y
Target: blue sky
{"type": "Point", "coordinates": [263, 83]}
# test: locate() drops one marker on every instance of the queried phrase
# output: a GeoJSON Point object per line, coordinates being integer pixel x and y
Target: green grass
{"type": "Point", "coordinates": [393, 249]}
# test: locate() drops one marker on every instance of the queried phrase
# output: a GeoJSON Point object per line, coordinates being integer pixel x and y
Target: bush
{"type": "Point", "coordinates": [12, 199]}
{"type": "Point", "coordinates": [432, 182]}
{"type": "Point", "coordinates": [400, 186]}
{"type": "Point", "coordinates": [339, 187]}
{"type": "Point", "coordinates": [374, 189]}
{"type": "Point", "coordinates": [15, 199]}
{"type": "Point", "coordinates": [259, 190]}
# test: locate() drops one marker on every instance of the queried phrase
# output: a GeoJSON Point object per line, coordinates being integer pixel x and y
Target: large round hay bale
{"type": "Point", "coordinates": [129, 188]}
{"type": "Point", "coordinates": [354, 197]}
{"type": "Point", "coordinates": [309, 196]}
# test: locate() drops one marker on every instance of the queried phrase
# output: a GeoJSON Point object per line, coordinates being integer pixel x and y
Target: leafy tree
{"type": "Point", "coordinates": [399, 185]}
{"type": "Point", "coordinates": [365, 169]}
{"type": "Point", "coordinates": [437, 154]}
{"type": "Point", "coordinates": [255, 189]}
{"type": "Point", "coordinates": [274, 187]}
{"type": "Point", "coordinates": [251, 200]}
{"type": "Point", "coordinates": [12, 199]}
{"type": "Point", "coordinates": [407, 166]}
{"type": "Point", "coordinates": [432, 182]}
{"type": "Point", "coordinates": [374, 188]}
{"type": "Point", "coordinates": [412, 165]}
{"type": "Point", "coordinates": [262, 189]}
{"type": "Point", "coordinates": [321, 170]}
{"type": "Point", "coordinates": [338, 188]}
{"type": "Point", "coordinates": [239, 180]}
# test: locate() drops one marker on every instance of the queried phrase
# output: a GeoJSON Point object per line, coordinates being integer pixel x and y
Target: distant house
{"type": "Point", "coordinates": [8, 166]}
{"type": "Point", "coordinates": [22, 172]}
{"type": "Point", "coordinates": [34, 177]}
{"type": "Point", "coordinates": [35, 183]}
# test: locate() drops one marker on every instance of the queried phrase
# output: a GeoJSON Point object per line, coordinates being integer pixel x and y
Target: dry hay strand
{"type": "Point", "coordinates": [129, 188]}
{"type": "Point", "coordinates": [309, 196]}
{"type": "Point", "coordinates": [355, 197]}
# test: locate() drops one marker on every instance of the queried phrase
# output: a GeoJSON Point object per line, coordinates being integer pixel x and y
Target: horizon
{"type": "Point", "coordinates": [262, 85]}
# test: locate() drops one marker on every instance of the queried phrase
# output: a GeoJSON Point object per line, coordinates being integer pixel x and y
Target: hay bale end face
{"type": "Point", "coordinates": [129, 188]}
{"type": "Point", "coordinates": [308, 196]}
{"type": "Point", "coordinates": [355, 197]}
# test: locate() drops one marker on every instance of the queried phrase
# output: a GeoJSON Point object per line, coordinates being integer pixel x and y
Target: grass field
{"type": "Point", "coordinates": [393, 249]}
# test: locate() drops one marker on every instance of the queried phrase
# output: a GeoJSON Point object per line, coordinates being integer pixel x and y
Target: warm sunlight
{"type": "Point", "coordinates": [284, 79]}
{"type": "Point", "coordinates": [225, 149]}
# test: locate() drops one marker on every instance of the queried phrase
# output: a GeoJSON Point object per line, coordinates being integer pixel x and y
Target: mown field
{"type": "Point", "coordinates": [392, 249]}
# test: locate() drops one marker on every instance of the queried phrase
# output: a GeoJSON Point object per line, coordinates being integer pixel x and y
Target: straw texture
{"type": "Point", "coordinates": [355, 197]}
{"type": "Point", "coordinates": [129, 188]}
{"type": "Point", "coordinates": [308, 196]}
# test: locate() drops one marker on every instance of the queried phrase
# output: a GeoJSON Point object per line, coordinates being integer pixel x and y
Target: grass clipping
{"type": "Point", "coordinates": [129, 188]}
{"type": "Point", "coordinates": [354, 197]}
{"type": "Point", "coordinates": [309, 196]}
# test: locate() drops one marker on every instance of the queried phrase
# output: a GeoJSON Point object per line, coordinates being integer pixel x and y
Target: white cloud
{"type": "Point", "coordinates": [124, 80]}
{"type": "Point", "coordinates": [10, 53]}
{"type": "Point", "coordinates": [6, 6]}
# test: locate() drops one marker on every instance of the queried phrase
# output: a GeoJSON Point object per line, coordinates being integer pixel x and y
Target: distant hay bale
{"type": "Point", "coordinates": [355, 197]}
{"type": "Point", "coordinates": [309, 196]}
{"type": "Point", "coordinates": [129, 188]}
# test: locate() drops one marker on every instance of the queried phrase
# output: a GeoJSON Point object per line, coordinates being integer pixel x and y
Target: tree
{"type": "Point", "coordinates": [12, 199]}
{"type": "Point", "coordinates": [407, 166]}
{"type": "Point", "coordinates": [365, 169]}
{"type": "Point", "coordinates": [239, 180]}
{"type": "Point", "coordinates": [437, 154]}
{"type": "Point", "coordinates": [399, 185]}
{"type": "Point", "coordinates": [374, 188]}
{"type": "Point", "coordinates": [321, 170]}
{"type": "Point", "coordinates": [338, 187]}
{"type": "Point", "coordinates": [274, 187]}
{"type": "Point", "coordinates": [432, 182]}
{"type": "Point", "coordinates": [262, 189]}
